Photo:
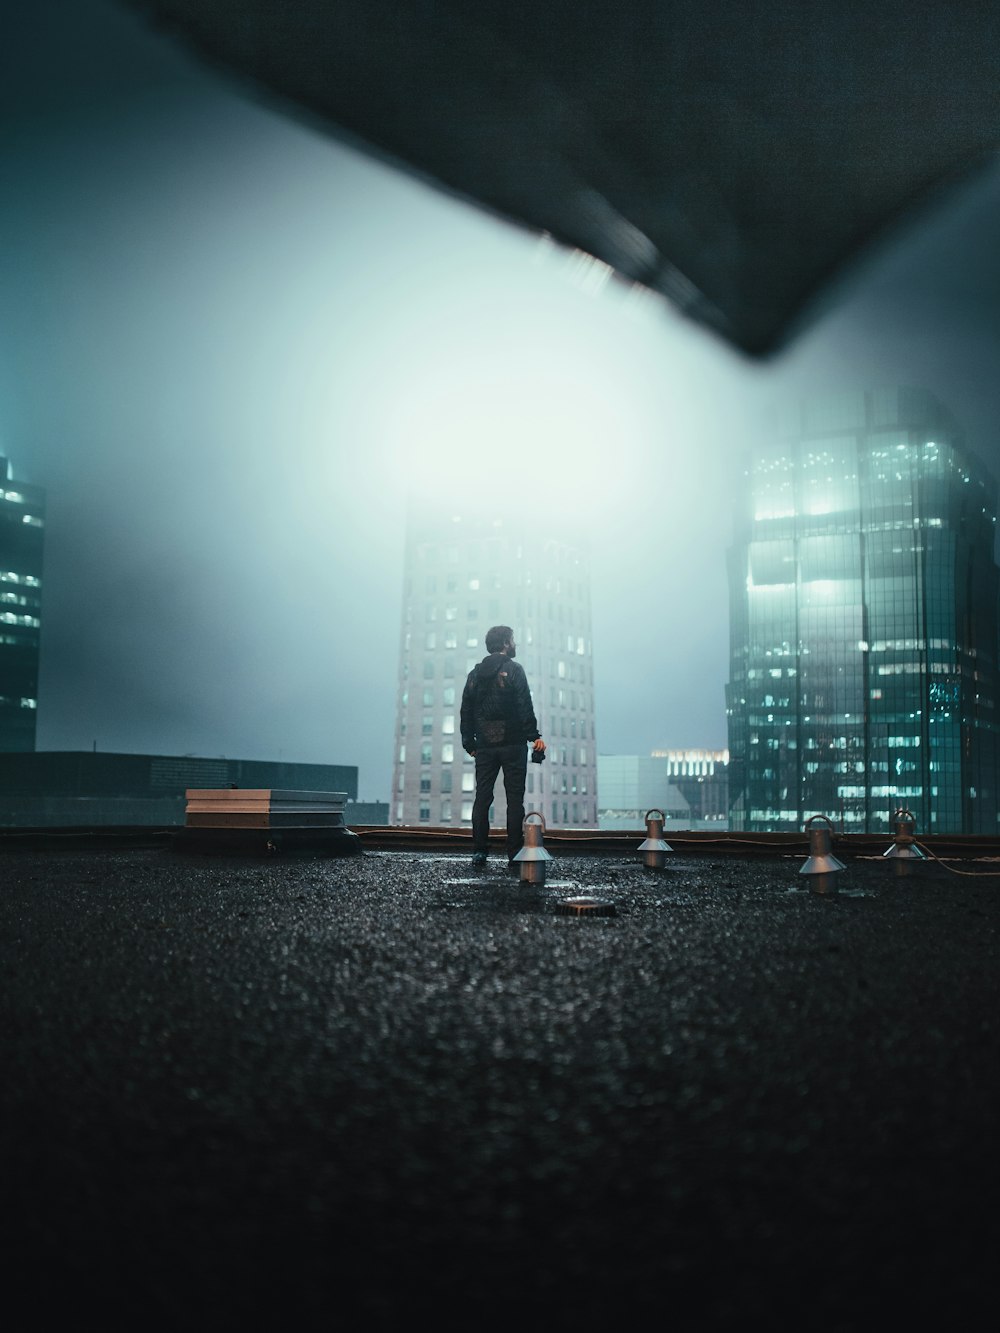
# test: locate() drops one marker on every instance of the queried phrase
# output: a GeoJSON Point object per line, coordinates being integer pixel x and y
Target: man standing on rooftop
{"type": "Point", "coordinates": [498, 721]}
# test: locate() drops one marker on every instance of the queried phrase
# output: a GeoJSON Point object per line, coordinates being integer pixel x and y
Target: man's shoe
{"type": "Point", "coordinates": [478, 860]}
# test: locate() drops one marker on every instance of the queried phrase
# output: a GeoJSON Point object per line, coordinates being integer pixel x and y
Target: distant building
{"type": "Point", "coordinates": [56, 788]}
{"type": "Point", "coordinates": [22, 524]}
{"type": "Point", "coordinates": [863, 595]}
{"type": "Point", "coordinates": [465, 571]}
{"type": "Point", "coordinates": [688, 786]}
{"type": "Point", "coordinates": [702, 778]}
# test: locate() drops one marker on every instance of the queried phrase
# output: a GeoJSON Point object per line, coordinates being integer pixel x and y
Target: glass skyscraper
{"type": "Point", "coordinates": [22, 522]}
{"type": "Point", "coordinates": [465, 570]}
{"type": "Point", "coordinates": [863, 622]}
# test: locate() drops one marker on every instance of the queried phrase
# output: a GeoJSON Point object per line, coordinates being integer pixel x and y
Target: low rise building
{"type": "Point", "coordinates": [688, 786]}
{"type": "Point", "coordinates": [65, 788]}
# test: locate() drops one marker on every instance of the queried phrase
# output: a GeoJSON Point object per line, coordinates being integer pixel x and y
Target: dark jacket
{"type": "Point", "coordinates": [496, 704]}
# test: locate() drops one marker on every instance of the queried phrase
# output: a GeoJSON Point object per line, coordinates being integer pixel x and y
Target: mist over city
{"type": "Point", "coordinates": [499, 664]}
{"type": "Point", "coordinates": [233, 347]}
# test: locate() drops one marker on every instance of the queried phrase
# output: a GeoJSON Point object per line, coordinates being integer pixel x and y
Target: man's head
{"type": "Point", "coordinates": [500, 639]}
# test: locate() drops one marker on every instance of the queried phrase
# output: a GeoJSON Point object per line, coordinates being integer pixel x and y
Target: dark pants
{"type": "Point", "coordinates": [513, 759]}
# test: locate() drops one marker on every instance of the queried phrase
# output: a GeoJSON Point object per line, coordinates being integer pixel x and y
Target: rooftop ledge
{"type": "Point", "coordinates": [408, 838]}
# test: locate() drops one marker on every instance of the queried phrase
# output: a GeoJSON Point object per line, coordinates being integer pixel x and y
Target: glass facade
{"type": "Point", "coordinates": [22, 525]}
{"type": "Point", "coordinates": [463, 573]}
{"type": "Point", "coordinates": [863, 622]}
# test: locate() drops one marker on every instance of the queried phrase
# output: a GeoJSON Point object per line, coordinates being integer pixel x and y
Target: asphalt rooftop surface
{"type": "Point", "coordinates": [376, 1091]}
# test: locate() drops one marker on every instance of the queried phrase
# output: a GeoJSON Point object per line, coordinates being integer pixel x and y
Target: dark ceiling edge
{"type": "Point", "coordinates": [848, 270]}
{"type": "Point", "coordinates": [667, 281]}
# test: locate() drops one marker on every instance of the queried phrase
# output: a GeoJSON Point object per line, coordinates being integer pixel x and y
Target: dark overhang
{"type": "Point", "coordinates": [730, 156]}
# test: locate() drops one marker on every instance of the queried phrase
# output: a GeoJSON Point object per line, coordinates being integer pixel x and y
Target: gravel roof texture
{"type": "Point", "coordinates": [384, 1087]}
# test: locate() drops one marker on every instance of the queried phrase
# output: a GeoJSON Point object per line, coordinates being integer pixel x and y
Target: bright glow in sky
{"type": "Point", "coordinates": [521, 418]}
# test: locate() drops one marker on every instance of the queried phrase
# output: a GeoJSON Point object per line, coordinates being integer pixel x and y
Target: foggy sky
{"type": "Point", "coordinates": [228, 343]}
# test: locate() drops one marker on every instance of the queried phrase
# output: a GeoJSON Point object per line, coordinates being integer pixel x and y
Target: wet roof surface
{"type": "Point", "coordinates": [383, 1087]}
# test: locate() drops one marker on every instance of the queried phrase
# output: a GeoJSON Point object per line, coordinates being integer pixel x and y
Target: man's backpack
{"type": "Point", "coordinates": [494, 706]}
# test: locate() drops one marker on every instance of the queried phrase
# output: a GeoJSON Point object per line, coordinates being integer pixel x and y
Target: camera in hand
{"type": "Point", "coordinates": [537, 756]}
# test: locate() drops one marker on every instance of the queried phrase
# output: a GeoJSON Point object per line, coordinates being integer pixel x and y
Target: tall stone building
{"type": "Point", "coordinates": [22, 523]}
{"type": "Point", "coordinates": [465, 571]}
{"type": "Point", "coordinates": [863, 595]}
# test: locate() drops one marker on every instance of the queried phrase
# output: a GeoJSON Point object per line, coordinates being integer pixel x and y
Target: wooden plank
{"type": "Point", "coordinates": [288, 807]}
{"type": "Point", "coordinates": [255, 807]}
{"type": "Point", "coordinates": [263, 819]}
{"type": "Point", "coordinates": [274, 796]}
